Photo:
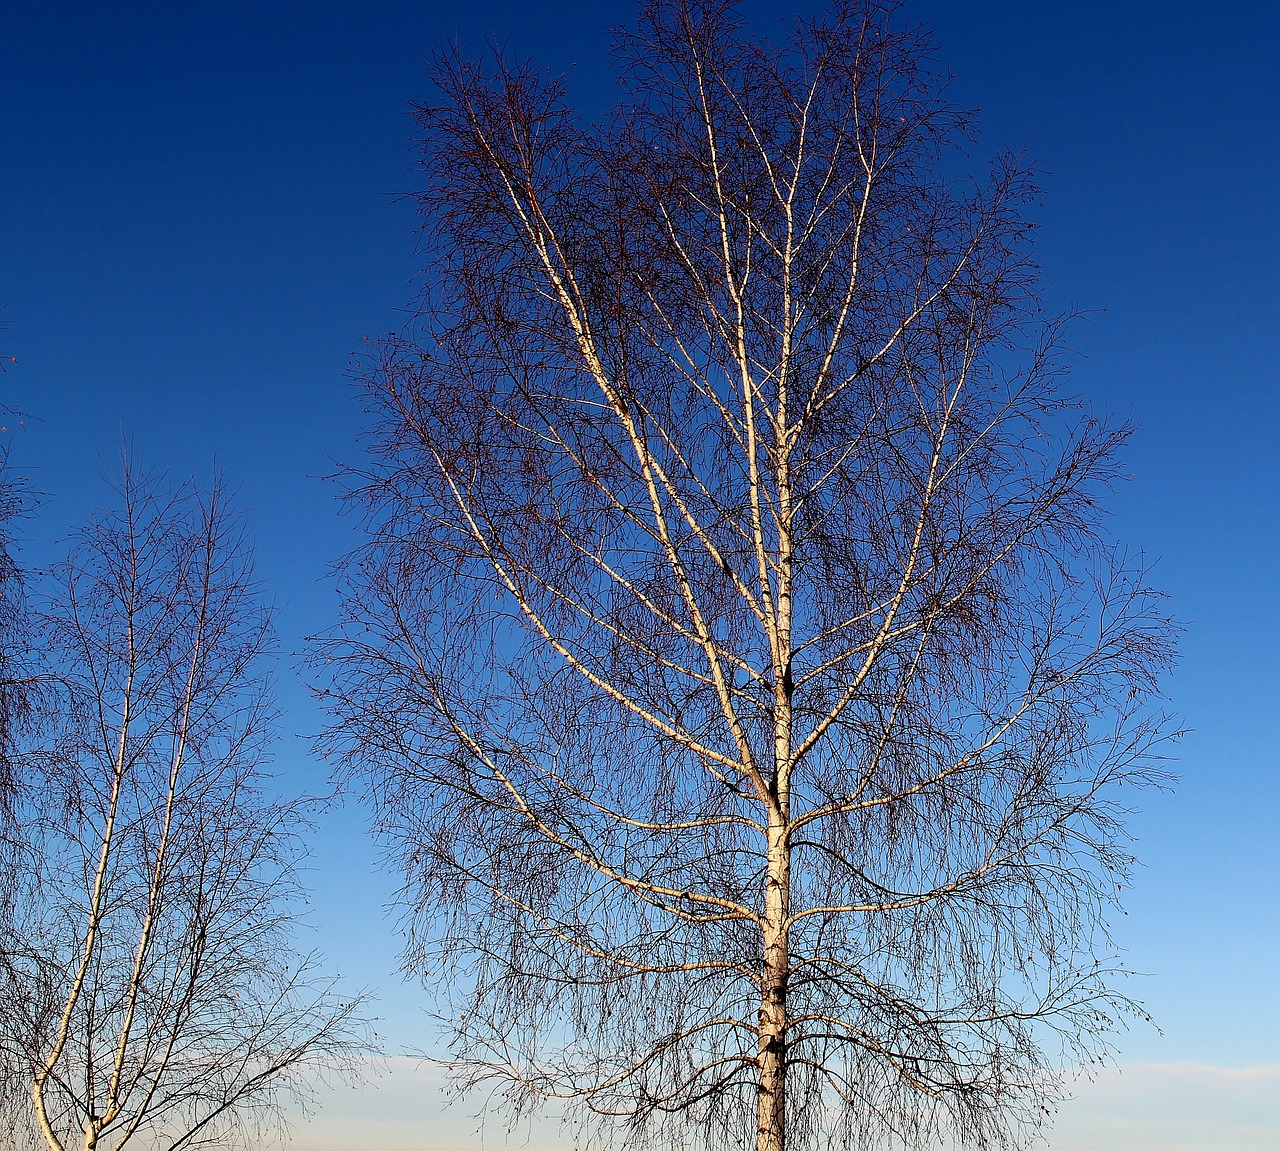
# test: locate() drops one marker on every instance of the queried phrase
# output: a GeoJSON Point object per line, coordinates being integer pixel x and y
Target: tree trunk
{"type": "Point", "coordinates": [772, 1100]}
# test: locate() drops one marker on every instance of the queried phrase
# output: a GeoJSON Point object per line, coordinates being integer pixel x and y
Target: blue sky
{"type": "Point", "coordinates": [201, 223]}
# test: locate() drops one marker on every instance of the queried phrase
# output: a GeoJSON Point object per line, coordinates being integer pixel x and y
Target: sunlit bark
{"type": "Point", "coordinates": [737, 666]}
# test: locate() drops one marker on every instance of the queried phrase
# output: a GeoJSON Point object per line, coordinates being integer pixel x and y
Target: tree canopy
{"type": "Point", "coordinates": [739, 662]}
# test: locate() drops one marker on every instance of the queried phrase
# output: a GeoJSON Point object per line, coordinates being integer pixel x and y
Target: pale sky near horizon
{"type": "Point", "coordinates": [1142, 1107]}
{"type": "Point", "coordinates": [201, 224]}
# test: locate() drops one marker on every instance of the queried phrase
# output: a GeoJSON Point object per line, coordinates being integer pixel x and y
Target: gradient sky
{"type": "Point", "coordinates": [199, 223]}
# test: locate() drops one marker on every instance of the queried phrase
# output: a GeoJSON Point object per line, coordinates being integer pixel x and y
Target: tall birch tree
{"type": "Point", "coordinates": [739, 667]}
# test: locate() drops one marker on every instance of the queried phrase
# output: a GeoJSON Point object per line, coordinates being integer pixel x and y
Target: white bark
{"type": "Point", "coordinates": [727, 660]}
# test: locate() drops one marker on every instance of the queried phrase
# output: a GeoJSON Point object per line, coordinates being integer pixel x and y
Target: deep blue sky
{"type": "Point", "coordinates": [199, 223]}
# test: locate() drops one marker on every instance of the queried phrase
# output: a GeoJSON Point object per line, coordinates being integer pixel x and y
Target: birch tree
{"type": "Point", "coordinates": [18, 691]}
{"type": "Point", "coordinates": [14, 682]}
{"type": "Point", "coordinates": [738, 665]}
{"type": "Point", "coordinates": [17, 684]}
{"type": "Point", "coordinates": [150, 989]}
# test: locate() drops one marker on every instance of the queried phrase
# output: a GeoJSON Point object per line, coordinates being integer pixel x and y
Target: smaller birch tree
{"type": "Point", "coordinates": [151, 993]}
{"type": "Point", "coordinates": [18, 693]}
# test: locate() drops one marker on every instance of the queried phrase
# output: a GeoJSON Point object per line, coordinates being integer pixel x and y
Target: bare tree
{"type": "Point", "coordinates": [18, 692]}
{"type": "Point", "coordinates": [152, 993]}
{"type": "Point", "coordinates": [738, 666]}
{"type": "Point", "coordinates": [16, 682]}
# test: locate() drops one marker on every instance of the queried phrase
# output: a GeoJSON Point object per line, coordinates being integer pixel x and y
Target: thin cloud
{"type": "Point", "coordinates": [1172, 1107]}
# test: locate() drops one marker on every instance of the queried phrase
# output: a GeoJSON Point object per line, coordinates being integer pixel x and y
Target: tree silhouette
{"type": "Point", "coordinates": [149, 989]}
{"type": "Point", "coordinates": [738, 665]}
